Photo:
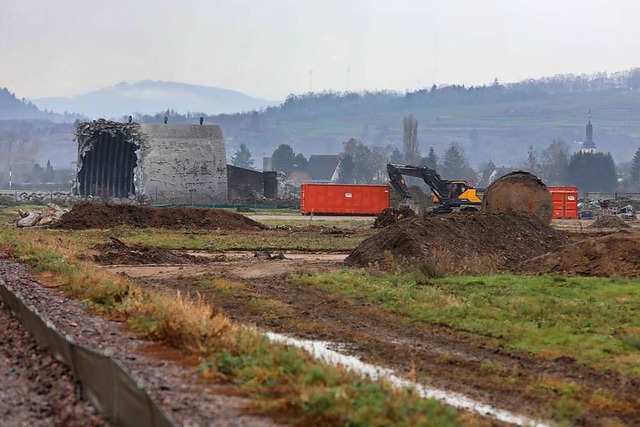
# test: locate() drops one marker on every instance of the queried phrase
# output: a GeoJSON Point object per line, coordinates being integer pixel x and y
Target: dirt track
{"type": "Point", "coordinates": [437, 355]}
{"type": "Point", "coordinates": [168, 376]}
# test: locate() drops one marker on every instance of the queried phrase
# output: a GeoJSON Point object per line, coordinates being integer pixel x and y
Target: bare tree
{"type": "Point", "coordinates": [410, 143]}
{"type": "Point", "coordinates": [555, 162]}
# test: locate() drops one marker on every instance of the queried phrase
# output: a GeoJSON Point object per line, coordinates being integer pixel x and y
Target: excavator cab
{"type": "Point", "coordinates": [465, 192]}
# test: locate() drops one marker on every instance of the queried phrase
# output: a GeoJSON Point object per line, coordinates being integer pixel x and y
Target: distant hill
{"type": "Point", "coordinates": [497, 122]}
{"type": "Point", "coordinates": [149, 97]}
{"type": "Point", "coordinates": [12, 108]}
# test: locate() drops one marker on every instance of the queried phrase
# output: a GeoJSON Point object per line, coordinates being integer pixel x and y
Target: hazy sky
{"type": "Point", "coordinates": [267, 48]}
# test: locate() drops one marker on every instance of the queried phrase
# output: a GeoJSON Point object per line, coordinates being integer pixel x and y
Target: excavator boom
{"type": "Point", "coordinates": [439, 187]}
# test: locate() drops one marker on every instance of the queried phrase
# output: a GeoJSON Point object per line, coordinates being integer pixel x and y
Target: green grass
{"type": "Point", "coordinates": [304, 221]}
{"type": "Point", "coordinates": [594, 320]}
{"type": "Point", "coordinates": [322, 395]}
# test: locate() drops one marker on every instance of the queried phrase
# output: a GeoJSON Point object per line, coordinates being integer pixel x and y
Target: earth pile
{"type": "Point", "coordinates": [611, 255]}
{"type": "Point", "coordinates": [92, 215]}
{"type": "Point", "coordinates": [459, 242]}
{"type": "Point", "coordinates": [390, 216]}
{"type": "Point", "coordinates": [118, 253]}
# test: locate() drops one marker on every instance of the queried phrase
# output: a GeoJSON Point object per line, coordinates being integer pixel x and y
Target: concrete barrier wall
{"type": "Point", "coordinates": [101, 380]}
{"type": "Point", "coordinates": [183, 164]}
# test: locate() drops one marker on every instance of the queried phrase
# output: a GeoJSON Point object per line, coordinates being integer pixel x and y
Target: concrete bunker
{"type": "Point", "coordinates": [156, 162]}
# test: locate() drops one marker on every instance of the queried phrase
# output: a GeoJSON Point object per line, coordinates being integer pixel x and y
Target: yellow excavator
{"type": "Point", "coordinates": [448, 195]}
{"type": "Point", "coordinates": [517, 191]}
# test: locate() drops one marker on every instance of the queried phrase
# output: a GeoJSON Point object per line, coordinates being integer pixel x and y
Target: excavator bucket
{"type": "Point", "coordinates": [519, 191]}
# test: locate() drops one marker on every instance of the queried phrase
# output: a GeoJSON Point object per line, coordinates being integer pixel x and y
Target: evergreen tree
{"type": "Point", "coordinates": [397, 157]}
{"type": "Point", "coordinates": [432, 160]}
{"type": "Point", "coordinates": [300, 162]}
{"type": "Point", "coordinates": [242, 158]}
{"type": "Point", "coordinates": [283, 159]}
{"type": "Point", "coordinates": [453, 162]}
{"type": "Point", "coordinates": [531, 163]}
{"type": "Point", "coordinates": [455, 166]}
{"type": "Point", "coordinates": [593, 172]}
{"type": "Point", "coordinates": [486, 170]}
{"type": "Point", "coordinates": [635, 167]}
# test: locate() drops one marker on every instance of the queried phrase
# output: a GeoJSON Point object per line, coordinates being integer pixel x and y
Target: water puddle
{"type": "Point", "coordinates": [323, 351]}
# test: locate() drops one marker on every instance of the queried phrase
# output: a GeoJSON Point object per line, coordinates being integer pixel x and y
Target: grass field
{"type": "Point", "coordinates": [593, 320]}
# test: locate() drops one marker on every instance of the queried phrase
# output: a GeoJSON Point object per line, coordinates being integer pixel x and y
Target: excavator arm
{"type": "Point", "coordinates": [439, 187]}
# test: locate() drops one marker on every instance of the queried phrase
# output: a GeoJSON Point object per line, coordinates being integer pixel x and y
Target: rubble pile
{"type": "Point", "coordinates": [50, 215]}
{"type": "Point", "coordinates": [609, 221]}
{"type": "Point", "coordinates": [39, 197]}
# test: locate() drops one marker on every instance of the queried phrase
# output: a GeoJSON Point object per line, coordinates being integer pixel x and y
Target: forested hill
{"type": "Point", "coordinates": [496, 121]}
{"type": "Point", "coordinates": [12, 108]}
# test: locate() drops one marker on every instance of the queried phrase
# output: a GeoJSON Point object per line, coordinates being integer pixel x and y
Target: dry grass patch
{"type": "Point", "coordinates": [284, 379]}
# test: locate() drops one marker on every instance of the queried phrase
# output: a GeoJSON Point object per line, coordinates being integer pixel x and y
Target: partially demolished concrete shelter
{"type": "Point", "coordinates": [161, 162]}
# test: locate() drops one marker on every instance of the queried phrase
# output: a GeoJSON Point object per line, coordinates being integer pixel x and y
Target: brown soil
{"type": "Point", "coordinates": [392, 215]}
{"type": "Point", "coordinates": [610, 221]}
{"type": "Point", "coordinates": [439, 356]}
{"type": "Point", "coordinates": [459, 242]}
{"type": "Point", "coordinates": [117, 252]}
{"type": "Point", "coordinates": [611, 255]}
{"type": "Point", "coordinates": [94, 215]}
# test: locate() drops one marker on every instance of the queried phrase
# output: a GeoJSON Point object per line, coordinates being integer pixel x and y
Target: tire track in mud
{"type": "Point", "coordinates": [435, 355]}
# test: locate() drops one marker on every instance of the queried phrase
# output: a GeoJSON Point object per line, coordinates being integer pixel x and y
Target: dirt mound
{"type": "Point", "coordinates": [612, 255]}
{"type": "Point", "coordinates": [610, 221]}
{"type": "Point", "coordinates": [93, 215]}
{"type": "Point", "coordinates": [459, 242]}
{"type": "Point", "coordinates": [520, 192]}
{"type": "Point", "coordinates": [390, 216]}
{"type": "Point", "coordinates": [118, 253]}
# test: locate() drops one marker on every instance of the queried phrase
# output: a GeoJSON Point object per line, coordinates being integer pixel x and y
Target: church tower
{"type": "Point", "coordinates": [589, 146]}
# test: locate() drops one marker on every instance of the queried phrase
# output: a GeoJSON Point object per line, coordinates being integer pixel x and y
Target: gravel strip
{"type": "Point", "coordinates": [35, 389]}
{"type": "Point", "coordinates": [178, 390]}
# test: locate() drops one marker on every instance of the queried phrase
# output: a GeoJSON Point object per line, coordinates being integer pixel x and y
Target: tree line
{"type": "Point", "coordinates": [555, 165]}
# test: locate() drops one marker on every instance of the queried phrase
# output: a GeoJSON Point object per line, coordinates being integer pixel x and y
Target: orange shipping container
{"type": "Point", "coordinates": [339, 199]}
{"type": "Point", "coordinates": [565, 202]}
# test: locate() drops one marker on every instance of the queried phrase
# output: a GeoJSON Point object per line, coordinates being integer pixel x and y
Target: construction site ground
{"type": "Point", "coordinates": [241, 274]}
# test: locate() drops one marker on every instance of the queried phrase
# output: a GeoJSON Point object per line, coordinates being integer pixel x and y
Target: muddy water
{"type": "Point", "coordinates": [321, 350]}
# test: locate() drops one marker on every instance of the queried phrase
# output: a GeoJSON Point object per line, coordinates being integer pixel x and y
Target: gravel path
{"type": "Point", "coordinates": [172, 383]}
{"type": "Point", "coordinates": [36, 390]}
